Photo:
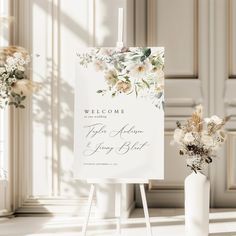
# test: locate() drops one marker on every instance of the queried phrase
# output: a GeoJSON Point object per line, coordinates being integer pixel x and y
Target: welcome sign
{"type": "Point", "coordinates": [119, 116]}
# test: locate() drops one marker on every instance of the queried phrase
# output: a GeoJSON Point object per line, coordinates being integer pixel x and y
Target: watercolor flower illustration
{"type": "Point", "coordinates": [129, 71]}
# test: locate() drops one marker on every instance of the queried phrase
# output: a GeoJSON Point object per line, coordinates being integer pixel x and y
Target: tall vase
{"type": "Point", "coordinates": [197, 193]}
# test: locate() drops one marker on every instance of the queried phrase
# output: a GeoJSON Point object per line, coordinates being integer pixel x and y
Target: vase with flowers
{"type": "Point", "coordinates": [198, 140]}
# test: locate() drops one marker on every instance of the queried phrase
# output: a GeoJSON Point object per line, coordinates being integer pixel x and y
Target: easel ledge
{"type": "Point", "coordinates": [117, 181]}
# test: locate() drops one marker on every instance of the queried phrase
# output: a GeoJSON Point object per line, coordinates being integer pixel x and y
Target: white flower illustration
{"type": "Point", "coordinates": [139, 70]}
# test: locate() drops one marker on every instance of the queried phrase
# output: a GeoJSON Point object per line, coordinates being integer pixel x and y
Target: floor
{"type": "Point", "coordinates": [165, 222]}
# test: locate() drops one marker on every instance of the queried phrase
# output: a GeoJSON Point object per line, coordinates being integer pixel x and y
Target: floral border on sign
{"type": "Point", "coordinates": [128, 71]}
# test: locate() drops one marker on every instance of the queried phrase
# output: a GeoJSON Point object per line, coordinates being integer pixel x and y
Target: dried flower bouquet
{"type": "Point", "coordinates": [199, 139]}
{"type": "Point", "coordinates": [14, 84]}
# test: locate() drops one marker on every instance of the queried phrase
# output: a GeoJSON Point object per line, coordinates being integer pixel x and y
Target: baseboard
{"type": "Point", "coordinates": [5, 213]}
{"type": "Point", "coordinates": [51, 207]}
{"type": "Point", "coordinates": [71, 207]}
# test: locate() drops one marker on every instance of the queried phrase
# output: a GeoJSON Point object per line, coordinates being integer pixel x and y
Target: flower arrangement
{"type": "Point", "coordinates": [14, 84]}
{"type": "Point", "coordinates": [129, 70]}
{"type": "Point", "coordinates": [199, 138]}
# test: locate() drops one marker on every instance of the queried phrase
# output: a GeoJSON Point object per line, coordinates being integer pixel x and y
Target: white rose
{"type": "Point", "coordinates": [17, 55]}
{"type": "Point", "coordinates": [11, 61]}
{"type": "Point", "coordinates": [214, 119]}
{"type": "Point", "coordinates": [2, 70]}
{"type": "Point", "coordinates": [207, 140]}
{"type": "Point", "coordinates": [21, 68]}
{"type": "Point", "coordinates": [188, 138]}
{"type": "Point", "coordinates": [178, 135]}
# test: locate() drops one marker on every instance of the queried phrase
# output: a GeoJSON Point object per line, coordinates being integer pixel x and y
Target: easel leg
{"type": "Point", "coordinates": [118, 208]}
{"type": "Point", "coordinates": [90, 200]}
{"type": "Point", "coordinates": [145, 208]}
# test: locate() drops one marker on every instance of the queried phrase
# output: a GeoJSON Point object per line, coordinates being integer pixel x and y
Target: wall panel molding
{"type": "Point", "coordinates": [140, 23]}
{"type": "Point", "coordinates": [183, 91]}
{"type": "Point", "coordinates": [55, 44]}
{"type": "Point", "coordinates": [231, 12]}
{"type": "Point", "coordinates": [153, 37]}
{"type": "Point", "coordinates": [151, 23]}
{"type": "Point", "coordinates": [231, 162]}
{"type": "Point", "coordinates": [173, 164]}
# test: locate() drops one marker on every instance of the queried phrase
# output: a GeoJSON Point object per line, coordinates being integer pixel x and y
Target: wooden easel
{"type": "Point", "coordinates": [118, 182]}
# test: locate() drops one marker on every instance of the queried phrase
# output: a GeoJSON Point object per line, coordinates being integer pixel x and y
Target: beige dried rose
{"type": "Point", "coordinates": [10, 50]}
{"type": "Point", "coordinates": [25, 86]}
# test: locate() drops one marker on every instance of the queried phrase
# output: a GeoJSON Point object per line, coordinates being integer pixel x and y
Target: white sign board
{"type": "Point", "coordinates": [119, 116]}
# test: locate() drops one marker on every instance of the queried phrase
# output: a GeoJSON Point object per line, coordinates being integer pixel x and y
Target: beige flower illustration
{"type": "Point", "coordinates": [159, 88]}
{"type": "Point", "coordinates": [99, 65]}
{"type": "Point", "coordinates": [123, 87]}
{"type": "Point", "coordinates": [111, 77]}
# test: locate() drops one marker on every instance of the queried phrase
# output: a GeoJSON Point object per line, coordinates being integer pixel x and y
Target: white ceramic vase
{"type": "Point", "coordinates": [197, 193]}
